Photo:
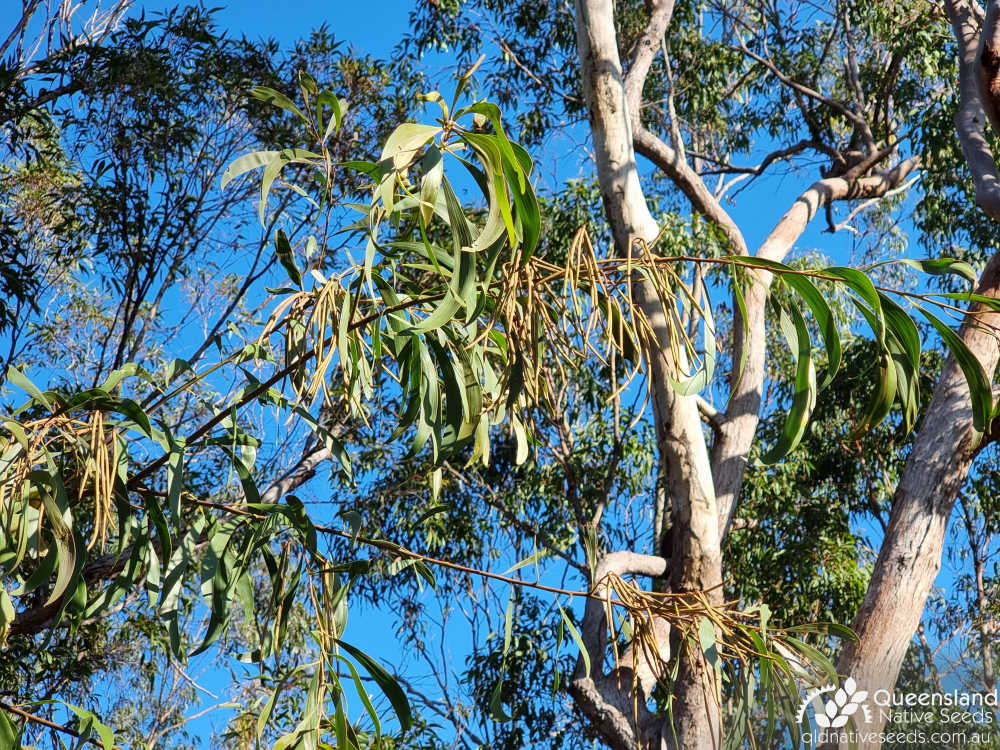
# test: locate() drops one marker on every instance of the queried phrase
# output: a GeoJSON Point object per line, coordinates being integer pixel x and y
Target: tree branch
{"type": "Point", "coordinates": [668, 160]}
{"type": "Point", "coordinates": [709, 413]}
{"type": "Point", "coordinates": [607, 698]}
{"type": "Point", "coordinates": [739, 423]}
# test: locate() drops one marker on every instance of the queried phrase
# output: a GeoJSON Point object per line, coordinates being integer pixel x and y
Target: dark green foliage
{"type": "Point", "coordinates": [541, 715]}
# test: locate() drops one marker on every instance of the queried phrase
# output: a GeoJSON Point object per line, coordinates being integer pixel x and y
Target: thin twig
{"type": "Point", "coordinates": [41, 720]}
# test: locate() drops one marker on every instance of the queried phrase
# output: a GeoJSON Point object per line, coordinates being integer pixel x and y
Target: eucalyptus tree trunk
{"type": "Point", "coordinates": [946, 442]}
{"type": "Point", "coordinates": [702, 485]}
{"type": "Point", "coordinates": [696, 562]}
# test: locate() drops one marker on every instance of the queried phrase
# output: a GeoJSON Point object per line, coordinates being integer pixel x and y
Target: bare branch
{"type": "Point", "coordinates": [856, 118]}
{"type": "Point", "coordinates": [295, 477]}
{"type": "Point", "coordinates": [865, 205]}
{"type": "Point", "coordinates": [689, 183]}
{"type": "Point", "coordinates": [709, 413]}
{"type": "Point", "coordinates": [757, 170]}
{"type": "Point", "coordinates": [505, 46]}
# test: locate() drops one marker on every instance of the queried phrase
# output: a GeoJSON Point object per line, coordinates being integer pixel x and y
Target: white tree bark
{"type": "Point", "coordinates": [696, 558]}
{"type": "Point", "coordinates": [946, 443]}
{"type": "Point", "coordinates": [702, 493]}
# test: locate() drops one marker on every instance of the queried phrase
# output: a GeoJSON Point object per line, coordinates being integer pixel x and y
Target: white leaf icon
{"type": "Point", "coordinates": [850, 686]}
{"type": "Point", "coordinates": [840, 697]}
{"type": "Point", "coordinates": [839, 722]}
{"type": "Point", "coordinates": [849, 709]}
{"type": "Point", "coordinates": [831, 709]}
{"type": "Point", "coordinates": [860, 696]}
{"type": "Point", "coordinates": [822, 721]}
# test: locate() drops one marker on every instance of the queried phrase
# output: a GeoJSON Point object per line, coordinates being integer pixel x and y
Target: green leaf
{"type": "Point", "coordinates": [824, 319]}
{"type": "Point", "coordinates": [508, 622]}
{"type": "Point", "coordinates": [57, 508]}
{"type": "Point", "coordinates": [521, 436]}
{"type": "Point", "coordinates": [703, 376]}
{"type": "Point", "coordinates": [765, 617]}
{"type": "Point", "coordinates": [278, 99]}
{"type": "Point", "coordinates": [328, 99]}
{"type": "Point", "coordinates": [864, 288]}
{"type": "Point", "coordinates": [880, 404]}
{"type": "Point", "coordinates": [6, 613]}
{"type": "Point", "coordinates": [575, 635]}
{"type": "Point", "coordinates": [265, 714]}
{"type": "Point", "coordinates": [815, 657]}
{"type": "Point", "coordinates": [902, 326]}
{"type": "Point", "coordinates": [904, 348]}
{"type": "Point", "coordinates": [528, 214]}
{"type": "Point", "coordinates": [405, 141]}
{"type": "Point", "coordinates": [10, 733]}
{"type": "Point", "coordinates": [793, 326]}
{"type": "Point", "coordinates": [460, 229]}
{"type": "Point", "coordinates": [495, 707]}
{"type": "Point", "coordinates": [989, 302]}
{"type": "Point", "coordinates": [706, 637]}
{"type": "Point", "coordinates": [532, 558]}
{"type": "Point", "coordinates": [980, 392]}
{"type": "Point", "coordinates": [103, 730]}
{"type": "Point", "coordinates": [942, 267]}
{"type": "Point", "coordinates": [354, 520]}
{"type": "Point", "coordinates": [283, 249]}
{"type": "Point", "coordinates": [245, 164]}
{"type": "Point", "coordinates": [175, 479]}
{"type": "Point", "coordinates": [499, 216]}
{"type": "Point", "coordinates": [386, 682]}
{"type": "Point", "coordinates": [274, 167]}
{"type": "Point", "coordinates": [430, 184]}
{"type": "Point", "coordinates": [433, 511]}
{"type": "Point", "coordinates": [365, 699]}
{"type": "Point", "coordinates": [16, 377]}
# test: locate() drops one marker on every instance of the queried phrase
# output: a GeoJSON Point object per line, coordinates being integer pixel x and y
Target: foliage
{"type": "Point", "coordinates": [476, 367]}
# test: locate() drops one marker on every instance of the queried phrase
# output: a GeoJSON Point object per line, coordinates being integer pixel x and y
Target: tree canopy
{"type": "Point", "coordinates": [300, 347]}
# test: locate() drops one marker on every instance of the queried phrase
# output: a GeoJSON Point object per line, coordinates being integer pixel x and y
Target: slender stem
{"type": "Point", "coordinates": [41, 720]}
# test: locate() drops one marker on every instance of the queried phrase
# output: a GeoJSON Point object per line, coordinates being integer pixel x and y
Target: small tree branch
{"type": "Point", "coordinates": [856, 118]}
{"type": "Point", "coordinates": [689, 182]}
{"type": "Point", "coordinates": [42, 721]}
{"type": "Point", "coordinates": [709, 413]}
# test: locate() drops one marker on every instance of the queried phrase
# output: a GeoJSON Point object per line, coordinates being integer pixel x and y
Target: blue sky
{"type": "Point", "coordinates": [370, 26]}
